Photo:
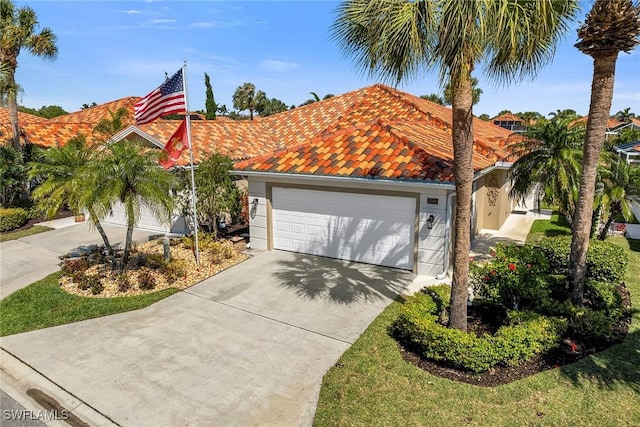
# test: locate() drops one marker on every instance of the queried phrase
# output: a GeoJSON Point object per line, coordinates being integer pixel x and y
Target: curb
{"type": "Point", "coordinates": [17, 377]}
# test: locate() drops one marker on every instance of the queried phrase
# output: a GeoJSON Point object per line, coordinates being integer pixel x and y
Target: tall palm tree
{"type": "Point", "coordinates": [611, 26]}
{"type": "Point", "coordinates": [18, 30]}
{"type": "Point", "coordinates": [398, 38]}
{"type": "Point", "coordinates": [548, 164]}
{"type": "Point", "coordinates": [433, 97]}
{"type": "Point", "coordinates": [67, 182]}
{"type": "Point", "coordinates": [621, 185]}
{"type": "Point", "coordinates": [246, 98]}
{"type": "Point", "coordinates": [129, 173]}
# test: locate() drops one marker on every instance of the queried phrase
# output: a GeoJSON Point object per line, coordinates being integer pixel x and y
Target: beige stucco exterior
{"type": "Point", "coordinates": [492, 202]}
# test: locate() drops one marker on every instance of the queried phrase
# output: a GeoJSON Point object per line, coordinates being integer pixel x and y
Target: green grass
{"type": "Point", "coordinates": [557, 226]}
{"type": "Point", "coordinates": [373, 385]}
{"type": "Point", "coordinates": [23, 233]}
{"type": "Point", "coordinates": [43, 304]}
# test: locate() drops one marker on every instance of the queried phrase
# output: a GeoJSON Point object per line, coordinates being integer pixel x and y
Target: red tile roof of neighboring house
{"type": "Point", "coordinates": [22, 117]}
{"type": "Point", "coordinates": [377, 131]}
{"type": "Point", "coordinates": [611, 122]}
{"type": "Point", "coordinates": [507, 117]}
{"type": "Point", "coordinates": [56, 134]}
{"type": "Point", "coordinates": [99, 112]}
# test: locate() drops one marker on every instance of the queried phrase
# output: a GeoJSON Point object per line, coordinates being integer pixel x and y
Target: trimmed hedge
{"type": "Point", "coordinates": [12, 218]}
{"type": "Point", "coordinates": [526, 335]}
{"type": "Point", "coordinates": [606, 262]}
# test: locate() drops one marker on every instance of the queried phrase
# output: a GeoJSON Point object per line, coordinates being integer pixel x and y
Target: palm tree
{"type": "Point", "coordinates": [433, 97]}
{"type": "Point", "coordinates": [621, 185]}
{"type": "Point", "coordinates": [625, 115]}
{"type": "Point", "coordinates": [448, 92]}
{"type": "Point", "coordinates": [107, 127]}
{"type": "Point", "coordinates": [611, 26]}
{"type": "Point", "coordinates": [129, 173]}
{"type": "Point", "coordinates": [548, 164]}
{"type": "Point", "coordinates": [398, 38]}
{"type": "Point", "coordinates": [67, 182]}
{"type": "Point", "coordinates": [246, 98]}
{"type": "Point", "coordinates": [18, 31]}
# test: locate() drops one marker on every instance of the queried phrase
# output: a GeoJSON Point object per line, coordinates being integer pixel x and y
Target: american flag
{"type": "Point", "coordinates": [167, 99]}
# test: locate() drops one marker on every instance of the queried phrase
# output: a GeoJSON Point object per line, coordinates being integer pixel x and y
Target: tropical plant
{"type": "Point", "coordinates": [67, 182]}
{"type": "Point", "coordinates": [433, 97]}
{"type": "Point", "coordinates": [484, 117]}
{"type": "Point", "coordinates": [107, 127]}
{"type": "Point", "coordinates": [398, 38]}
{"type": "Point", "coordinates": [612, 26]}
{"type": "Point", "coordinates": [621, 186]}
{"type": "Point", "coordinates": [128, 172]}
{"type": "Point", "coordinates": [210, 102]}
{"type": "Point", "coordinates": [246, 98]}
{"type": "Point", "coordinates": [548, 164]}
{"type": "Point", "coordinates": [12, 174]}
{"type": "Point", "coordinates": [567, 113]}
{"type": "Point", "coordinates": [448, 92]}
{"type": "Point", "coordinates": [18, 30]}
{"type": "Point", "coordinates": [272, 106]}
{"type": "Point", "coordinates": [625, 115]}
{"type": "Point", "coordinates": [215, 190]}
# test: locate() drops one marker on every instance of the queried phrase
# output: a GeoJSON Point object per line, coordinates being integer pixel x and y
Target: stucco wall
{"type": "Point", "coordinates": [492, 202]}
{"type": "Point", "coordinates": [258, 214]}
{"type": "Point", "coordinates": [431, 242]}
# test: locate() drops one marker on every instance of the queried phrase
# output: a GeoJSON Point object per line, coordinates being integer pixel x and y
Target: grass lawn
{"type": "Point", "coordinates": [373, 385]}
{"type": "Point", "coordinates": [557, 226]}
{"type": "Point", "coordinates": [43, 304]}
{"type": "Point", "coordinates": [23, 233]}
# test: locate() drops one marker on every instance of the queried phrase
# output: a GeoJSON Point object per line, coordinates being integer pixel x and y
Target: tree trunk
{"type": "Point", "coordinates": [463, 172]}
{"type": "Point", "coordinates": [104, 236]}
{"type": "Point", "coordinates": [601, 96]}
{"type": "Point", "coordinates": [129, 240]}
{"type": "Point", "coordinates": [12, 103]}
{"type": "Point", "coordinates": [605, 231]}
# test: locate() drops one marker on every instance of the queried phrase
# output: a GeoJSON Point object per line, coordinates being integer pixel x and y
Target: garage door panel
{"type": "Point", "coordinates": [357, 227]}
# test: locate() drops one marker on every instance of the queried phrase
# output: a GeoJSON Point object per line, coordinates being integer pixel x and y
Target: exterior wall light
{"type": "Point", "coordinates": [430, 220]}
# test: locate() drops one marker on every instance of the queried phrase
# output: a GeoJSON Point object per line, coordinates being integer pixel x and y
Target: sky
{"type": "Point", "coordinates": [114, 49]}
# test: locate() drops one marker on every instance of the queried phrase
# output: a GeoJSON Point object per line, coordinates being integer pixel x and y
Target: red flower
{"type": "Point", "coordinates": [512, 266]}
{"type": "Point", "coordinates": [528, 266]}
{"type": "Point", "coordinates": [486, 278]}
{"type": "Point", "coordinates": [493, 253]}
{"type": "Point", "coordinates": [493, 272]}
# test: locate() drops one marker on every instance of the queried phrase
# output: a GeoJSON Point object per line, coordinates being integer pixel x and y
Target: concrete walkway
{"type": "Point", "coordinates": [31, 258]}
{"type": "Point", "coordinates": [247, 347]}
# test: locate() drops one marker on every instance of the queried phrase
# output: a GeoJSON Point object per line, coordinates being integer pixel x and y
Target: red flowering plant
{"type": "Point", "coordinates": [516, 277]}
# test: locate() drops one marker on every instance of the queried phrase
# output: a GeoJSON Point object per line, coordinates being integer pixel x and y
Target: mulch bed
{"type": "Point", "coordinates": [483, 320]}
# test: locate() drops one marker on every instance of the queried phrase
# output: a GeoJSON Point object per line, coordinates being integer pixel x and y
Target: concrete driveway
{"type": "Point", "coordinates": [31, 258]}
{"type": "Point", "coordinates": [246, 347]}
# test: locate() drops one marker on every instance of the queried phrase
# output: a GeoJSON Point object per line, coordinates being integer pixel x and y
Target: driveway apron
{"type": "Point", "coordinates": [248, 346]}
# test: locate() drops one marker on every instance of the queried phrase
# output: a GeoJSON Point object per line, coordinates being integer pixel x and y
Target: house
{"type": "Point", "coordinates": [614, 126]}
{"type": "Point", "coordinates": [364, 176]}
{"type": "Point", "coordinates": [629, 152]}
{"type": "Point", "coordinates": [510, 122]}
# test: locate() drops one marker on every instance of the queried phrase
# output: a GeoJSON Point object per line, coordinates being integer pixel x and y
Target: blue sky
{"type": "Point", "coordinates": [110, 50]}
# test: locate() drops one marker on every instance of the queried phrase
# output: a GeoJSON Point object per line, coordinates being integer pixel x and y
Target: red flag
{"type": "Point", "coordinates": [166, 99]}
{"type": "Point", "coordinates": [173, 149]}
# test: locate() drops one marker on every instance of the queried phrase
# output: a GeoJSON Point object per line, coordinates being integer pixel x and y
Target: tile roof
{"type": "Point", "coordinates": [376, 132]}
{"type": "Point", "coordinates": [507, 117]}
{"type": "Point", "coordinates": [611, 122]}
{"type": "Point", "coordinates": [56, 134]}
{"type": "Point", "coordinates": [99, 112]}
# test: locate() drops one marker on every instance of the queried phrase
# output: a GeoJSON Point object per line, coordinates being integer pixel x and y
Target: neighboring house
{"type": "Point", "coordinates": [614, 126]}
{"type": "Point", "coordinates": [364, 176]}
{"type": "Point", "coordinates": [629, 152]}
{"type": "Point", "coordinates": [510, 122]}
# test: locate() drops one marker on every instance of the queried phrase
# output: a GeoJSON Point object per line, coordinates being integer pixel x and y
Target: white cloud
{"type": "Point", "coordinates": [131, 12]}
{"type": "Point", "coordinates": [278, 66]}
{"type": "Point", "coordinates": [160, 21]}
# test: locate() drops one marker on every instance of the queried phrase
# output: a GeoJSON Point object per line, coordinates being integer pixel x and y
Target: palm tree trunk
{"type": "Point", "coordinates": [601, 95]}
{"type": "Point", "coordinates": [129, 240]}
{"type": "Point", "coordinates": [605, 230]}
{"type": "Point", "coordinates": [463, 172]}
{"type": "Point", "coordinates": [12, 103]}
{"type": "Point", "coordinates": [98, 226]}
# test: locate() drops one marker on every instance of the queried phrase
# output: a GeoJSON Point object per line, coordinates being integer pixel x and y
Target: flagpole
{"type": "Point", "coordinates": [193, 179]}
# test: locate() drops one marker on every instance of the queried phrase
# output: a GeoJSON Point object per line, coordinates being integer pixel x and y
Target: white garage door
{"type": "Point", "coordinates": [365, 228]}
{"type": "Point", "coordinates": [147, 220]}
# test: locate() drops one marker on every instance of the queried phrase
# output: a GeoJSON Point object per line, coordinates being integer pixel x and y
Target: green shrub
{"type": "Point", "coordinates": [516, 277]}
{"type": "Point", "coordinates": [527, 335]}
{"type": "Point", "coordinates": [175, 270]}
{"type": "Point", "coordinates": [589, 325]}
{"type": "Point", "coordinates": [604, 297]}
{"type": "Point", "coordinates": [606, 262]}
{"type": "Point", "coordinates": [441, 296]}
{"type": "Point", "coordinates": [12, 218]}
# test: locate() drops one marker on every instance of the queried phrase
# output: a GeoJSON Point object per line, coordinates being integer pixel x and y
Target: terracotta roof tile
{"type": "Point", "coordinates": [507, 117]}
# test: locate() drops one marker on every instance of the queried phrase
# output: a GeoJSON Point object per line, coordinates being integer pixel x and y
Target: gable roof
{"type": "Point", "coordinates": [379, 132]}
{"type": "Point", "coordinates": [507, 117]}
